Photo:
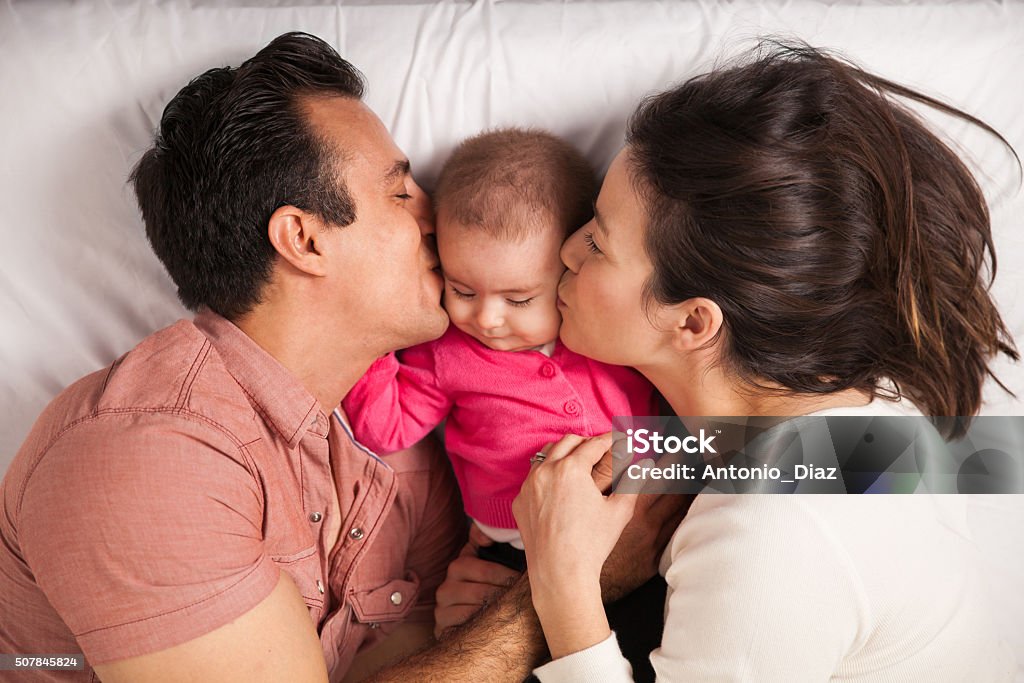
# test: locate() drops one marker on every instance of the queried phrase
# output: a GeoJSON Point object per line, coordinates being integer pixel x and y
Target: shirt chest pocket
{"type": "Point", "coordinates": [387, 603]}
{"type": "Point", "coordinates": [304, 569]}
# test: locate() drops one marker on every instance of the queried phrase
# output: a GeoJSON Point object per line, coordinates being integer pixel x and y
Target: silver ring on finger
{"type": "Point", "coordinates": [538, 457]}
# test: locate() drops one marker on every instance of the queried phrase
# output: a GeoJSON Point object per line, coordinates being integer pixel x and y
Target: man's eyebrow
{"type": "Point", "coordinates": [398, 169]}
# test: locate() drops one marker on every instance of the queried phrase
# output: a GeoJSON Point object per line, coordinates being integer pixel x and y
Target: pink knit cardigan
{"type": "Point", "coordinates": [501, 407]}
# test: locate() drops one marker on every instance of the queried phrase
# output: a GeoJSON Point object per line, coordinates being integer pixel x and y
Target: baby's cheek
{"type": "Point", "coordinates": [455, 308]}
{"type": "Point", "coordinates": [547, 324]}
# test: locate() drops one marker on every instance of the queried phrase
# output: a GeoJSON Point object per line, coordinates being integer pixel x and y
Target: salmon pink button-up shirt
{"type": "Point", "coordinates": [159, 499]}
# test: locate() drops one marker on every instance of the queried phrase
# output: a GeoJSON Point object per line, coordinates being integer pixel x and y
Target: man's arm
{"type": "Point", "coordinates": [274, 641]}
{"type": "Point", "coordinates": [144, 531]}
{"type": "Point", "coordinates": [409, 637]}
{"type": "Point", "coordinates": [503, 642]}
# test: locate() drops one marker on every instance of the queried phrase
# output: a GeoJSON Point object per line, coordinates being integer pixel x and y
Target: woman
{"type": "Point", "coordinates": [779, 238]}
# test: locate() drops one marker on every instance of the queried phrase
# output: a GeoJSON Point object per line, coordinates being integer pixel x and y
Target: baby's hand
{"type": "Point", "coordinates": [470, 584]}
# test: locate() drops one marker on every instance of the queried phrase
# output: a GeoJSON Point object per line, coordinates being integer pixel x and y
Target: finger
{"type": "Point", "coordinates": [453, 615]}
{"type": "Point", "coordinates": [593, 449]}
{"type": "Point", "coordinates": [475, 570]}
{"type": "Point", "coordinates": [478, 538]}
{"type": "Point", "coordinates": [564, 446]}
{"type": "Point", "coordinates": [603, 472]}
{"type": "Point", "coordinates": [449, 594]}
{"type": "Point", "coordinates": [624, 505]}
{"type": "Point", "coordinates": [448, 617]}
{"type": "Point", "coordinates": [541, 455]}
{"type": "Point", "coordinates": [631, 486]}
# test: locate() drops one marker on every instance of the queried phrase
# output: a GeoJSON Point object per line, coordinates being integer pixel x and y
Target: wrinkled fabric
{"type": "Point", "coordinates": [160, 499]}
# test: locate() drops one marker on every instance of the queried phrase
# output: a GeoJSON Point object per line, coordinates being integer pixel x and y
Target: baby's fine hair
{"type": "Point", "coordinates": [504, 180]}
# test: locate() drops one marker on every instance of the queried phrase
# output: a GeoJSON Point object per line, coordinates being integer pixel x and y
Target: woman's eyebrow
{"type": "Point", "coordinates": [600, 221]}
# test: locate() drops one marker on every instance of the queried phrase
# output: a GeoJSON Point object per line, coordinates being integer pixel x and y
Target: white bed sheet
{"type": "Point", "coordinates": [83, 85]}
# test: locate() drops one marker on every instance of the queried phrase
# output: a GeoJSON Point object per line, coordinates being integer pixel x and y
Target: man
{"type": "Point", "coordinates": [198, 510]}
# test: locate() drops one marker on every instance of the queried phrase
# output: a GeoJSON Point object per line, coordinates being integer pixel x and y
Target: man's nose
{"type": "Point", "coordinates": [421, 208]}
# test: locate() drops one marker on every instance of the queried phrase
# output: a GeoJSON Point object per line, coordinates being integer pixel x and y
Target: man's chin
{"type": "Point", "coordinates": [435, 326]}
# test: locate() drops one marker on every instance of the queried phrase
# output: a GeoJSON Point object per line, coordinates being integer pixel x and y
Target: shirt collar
{"type": "Point", "coordinates": [281, 399]}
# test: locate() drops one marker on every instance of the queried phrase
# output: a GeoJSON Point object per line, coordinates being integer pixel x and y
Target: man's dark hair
{"type": "Point", "coordinates": [233, 146]}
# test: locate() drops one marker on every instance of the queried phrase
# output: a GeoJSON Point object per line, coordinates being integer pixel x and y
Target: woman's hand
{"type": "Point", "coordinates": [569, 528]}
{"type": "Point", "coordinates": [469, 585]}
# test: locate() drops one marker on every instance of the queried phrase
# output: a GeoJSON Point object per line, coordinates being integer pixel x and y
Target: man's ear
{"type": "Point", "coordinates": [693, 323]}
{"type": "Point", "coordinates": [297, 236]}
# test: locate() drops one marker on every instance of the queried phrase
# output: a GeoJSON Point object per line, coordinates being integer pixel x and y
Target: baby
{"type": "Point", "coordinates": [506, 200]}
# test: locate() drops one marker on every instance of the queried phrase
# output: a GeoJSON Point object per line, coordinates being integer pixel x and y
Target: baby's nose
{"type": "Point", "coordinates": [490, 317]}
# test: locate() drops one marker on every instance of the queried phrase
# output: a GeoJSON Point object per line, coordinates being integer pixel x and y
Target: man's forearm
{"type": "Point", "coordinates": [504, 642]}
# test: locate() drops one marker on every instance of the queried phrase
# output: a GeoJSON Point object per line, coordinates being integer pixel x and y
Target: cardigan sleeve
{"type": "Point", "coordinates": [757, 591]}
{"type": "Point", "coordinates": [396, 403]}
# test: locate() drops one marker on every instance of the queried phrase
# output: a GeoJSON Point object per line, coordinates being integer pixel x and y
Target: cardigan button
{"type": "Point", "coordinates": [547, 370]}
{"type": "Point", "coordinates": [572, 407]}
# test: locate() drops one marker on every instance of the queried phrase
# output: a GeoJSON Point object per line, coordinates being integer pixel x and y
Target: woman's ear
{"type": "Point", "coordinates": [298, 238]}
{"type": "Point", "coordinates": [693, 323]}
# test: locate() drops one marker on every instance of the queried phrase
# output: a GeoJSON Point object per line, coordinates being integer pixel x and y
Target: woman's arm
{"type": "Point", "coordinates": [564, 551]}
{"type": "Point", "coordinates": [757, 588]}
{"type": "Point", "coordinates": [569, 529]}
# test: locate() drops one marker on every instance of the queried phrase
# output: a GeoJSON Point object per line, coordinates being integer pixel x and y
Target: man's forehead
{"type": "Point", "coordinates": [356, 131]}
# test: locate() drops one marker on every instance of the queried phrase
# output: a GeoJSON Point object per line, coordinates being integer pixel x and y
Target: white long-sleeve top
{"type": "Point", "coordinates": [793, 588]}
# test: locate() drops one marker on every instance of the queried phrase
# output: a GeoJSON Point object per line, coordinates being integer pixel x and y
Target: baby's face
{"type": "Point", "coordinates": [501, 292]}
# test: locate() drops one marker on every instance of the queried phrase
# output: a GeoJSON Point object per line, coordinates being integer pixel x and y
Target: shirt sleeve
{"type": "Point", "coordinates": [395, 404]}
{"type": "Point", "coordinates": [144, 531]}
{"type": "Point", "coordinates": [600, 663]}
{"type": "Point", "coordinates": [756, 592]}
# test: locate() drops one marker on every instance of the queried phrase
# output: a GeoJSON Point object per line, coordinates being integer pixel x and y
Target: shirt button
{"type": "Point", "coordinates": [396, 598]}
{"type": "Point", "coordinates": [572, 407]}
{"type": "Point", "coordinates": [320, 586]}
{"type": "Point", "coordinates": [315, 517]}
{"type": "Point", "coordinates": [547, 370]}
{"type": "Point", "coordinates": [356, 533]}
{"type": "Point", "coordinates": [374, 624]}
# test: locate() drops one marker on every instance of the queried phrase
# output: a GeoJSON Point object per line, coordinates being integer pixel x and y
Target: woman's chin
{"type": "Point", "coordinates": [570, 339]}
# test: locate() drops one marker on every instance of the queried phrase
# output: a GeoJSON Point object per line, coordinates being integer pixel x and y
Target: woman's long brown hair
{"type": "Point", "coordinates": [845, 243]}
